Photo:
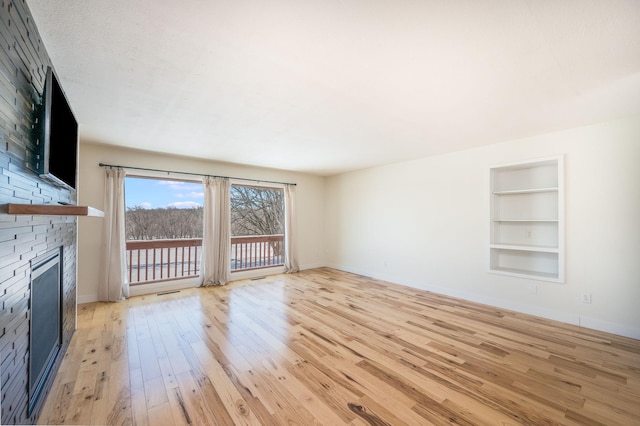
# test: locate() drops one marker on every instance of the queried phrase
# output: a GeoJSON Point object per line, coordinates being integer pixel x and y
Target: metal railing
{"type": "Point", "coordinates": [160, 260]}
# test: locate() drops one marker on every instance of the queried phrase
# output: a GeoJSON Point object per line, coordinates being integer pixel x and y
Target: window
{"type": "Point", "coordinates": [163, 227]}
{"type": "Point", "coordinates": [257, 227]}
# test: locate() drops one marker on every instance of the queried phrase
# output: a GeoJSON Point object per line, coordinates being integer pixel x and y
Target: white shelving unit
{"type": "Point", "coordinates": [527, 219]}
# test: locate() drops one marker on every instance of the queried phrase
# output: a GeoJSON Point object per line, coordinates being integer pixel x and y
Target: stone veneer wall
{"type": "Point", "coordinates": [23, 66]}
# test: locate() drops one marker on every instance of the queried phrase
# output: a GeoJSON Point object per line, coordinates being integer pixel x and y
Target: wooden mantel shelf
{"type": "Point", "coordinates": [52, 209]}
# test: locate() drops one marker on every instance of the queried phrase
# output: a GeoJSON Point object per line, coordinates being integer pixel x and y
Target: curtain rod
{"type": "Point", "coordinates": [195, 174]}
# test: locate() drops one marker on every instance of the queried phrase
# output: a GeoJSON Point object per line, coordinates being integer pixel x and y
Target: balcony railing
{"type": "Point", "coordinates": [160, 260]}
{"type": "Point", "coordinates": [253, 252]}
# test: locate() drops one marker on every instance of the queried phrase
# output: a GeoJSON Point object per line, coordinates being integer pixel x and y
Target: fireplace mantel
{"type": "Point", "coordinates": [52, 209]}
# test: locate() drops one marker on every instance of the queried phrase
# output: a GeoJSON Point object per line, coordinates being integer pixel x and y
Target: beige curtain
{"type": "Point", "coordinates": [215, 266]}
{"type": "Point", "coordinates": [113, 283]}
{"type": "Point", "coordinates": [290, 233]}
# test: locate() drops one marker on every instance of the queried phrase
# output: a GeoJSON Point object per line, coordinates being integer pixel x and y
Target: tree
{"type": "Point", "coordinates": [256, 211]}
{"type": "Point", "coordinates": [163, 223]}
{"type": "Point", "coordinates": [137, 224]}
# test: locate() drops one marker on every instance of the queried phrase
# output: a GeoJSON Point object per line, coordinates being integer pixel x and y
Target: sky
{"type": "Point", "coordinates": [157, 193]}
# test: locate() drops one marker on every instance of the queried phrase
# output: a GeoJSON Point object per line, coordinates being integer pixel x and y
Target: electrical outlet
{"type": "Point", "coordinates": [586, 297]}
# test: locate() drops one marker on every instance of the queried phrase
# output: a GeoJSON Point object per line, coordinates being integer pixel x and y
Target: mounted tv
{"type": "Point", "coordinates": [58, 159]}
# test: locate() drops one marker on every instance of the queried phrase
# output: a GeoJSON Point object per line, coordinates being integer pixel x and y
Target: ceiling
{"type": "Point", "coordinates": [329, 86]}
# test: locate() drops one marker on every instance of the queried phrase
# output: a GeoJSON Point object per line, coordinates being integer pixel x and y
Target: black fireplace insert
{"type": "Point", "coordinates": [45, 328]}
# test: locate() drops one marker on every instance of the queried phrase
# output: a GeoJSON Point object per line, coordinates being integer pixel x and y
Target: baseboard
{"type": "Point", "coordinates": [567, 318]}
{"type": "Point", "coordinates": [255, 273]}
{"type": "Point", "coordinates": [143, 289]}
{"type": "Point", "coordinates": [151, 288]}
{"type": "Point", "coordinates": [87, 298]}
{"type": "Point", "coordinates": [312, 266]}
{"type": "Point", "coordinates": [265, 272]}
{"type": "Point", "coordinates": [610, 327]}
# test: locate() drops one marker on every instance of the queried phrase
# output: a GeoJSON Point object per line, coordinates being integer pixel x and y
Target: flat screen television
{"type": "Point", "coordinates": [58, 157]}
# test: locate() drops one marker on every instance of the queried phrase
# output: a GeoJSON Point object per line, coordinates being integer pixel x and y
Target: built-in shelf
{"type": "Point", "coordinates": [52, 209]}
{"type": "Point", "coordinates": [526, 191]}
{"type": "Point", "coordinates": [541, 249]}
{"type": "Point", "coordinates": [527, 219]}
{"type": "Point", "coordinates": [525, 273]}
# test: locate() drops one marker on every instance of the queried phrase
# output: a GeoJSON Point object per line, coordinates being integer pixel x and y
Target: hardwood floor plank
{"type": "Point", "coordinates": [377, 390]}
{"type": "Point", "coordinates": [611, 412]}
{"type": "Point", "coordinates": [374, 414]}
{"type": "Point", "coordinates": [328, 347]}
{"type": "Point", "coordinates": [99, 408]}
{"type": "Point", "coordinates": [286, 408]}
{"type": "Point", "coordinates": [179, 411]}
{"type": "Point", "coordinates": [193, 402]}
{"type": "Point", "coordinates": [118, 401]}
{"type": "Point", "coordinates": [139, 399]}
{"type": "Point", "coordinates": [154, 391]}
{"type": "Point", "coordinates": [161, 415]}
{"type": "Point", "coordinates": [58, 411]}
{"type": "Point", "coordinates": [331, 393]}
{"type": "Point", "coordinates": [230, 399]}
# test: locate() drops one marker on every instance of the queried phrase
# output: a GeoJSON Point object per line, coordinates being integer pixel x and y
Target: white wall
{"type": "Point", "coordinates": [424, 223]}
{"type": "Point", "coordinates": [309, 192]}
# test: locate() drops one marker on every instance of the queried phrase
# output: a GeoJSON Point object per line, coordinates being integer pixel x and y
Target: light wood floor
{"type": "Point", "coordinates": [327, 347]}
